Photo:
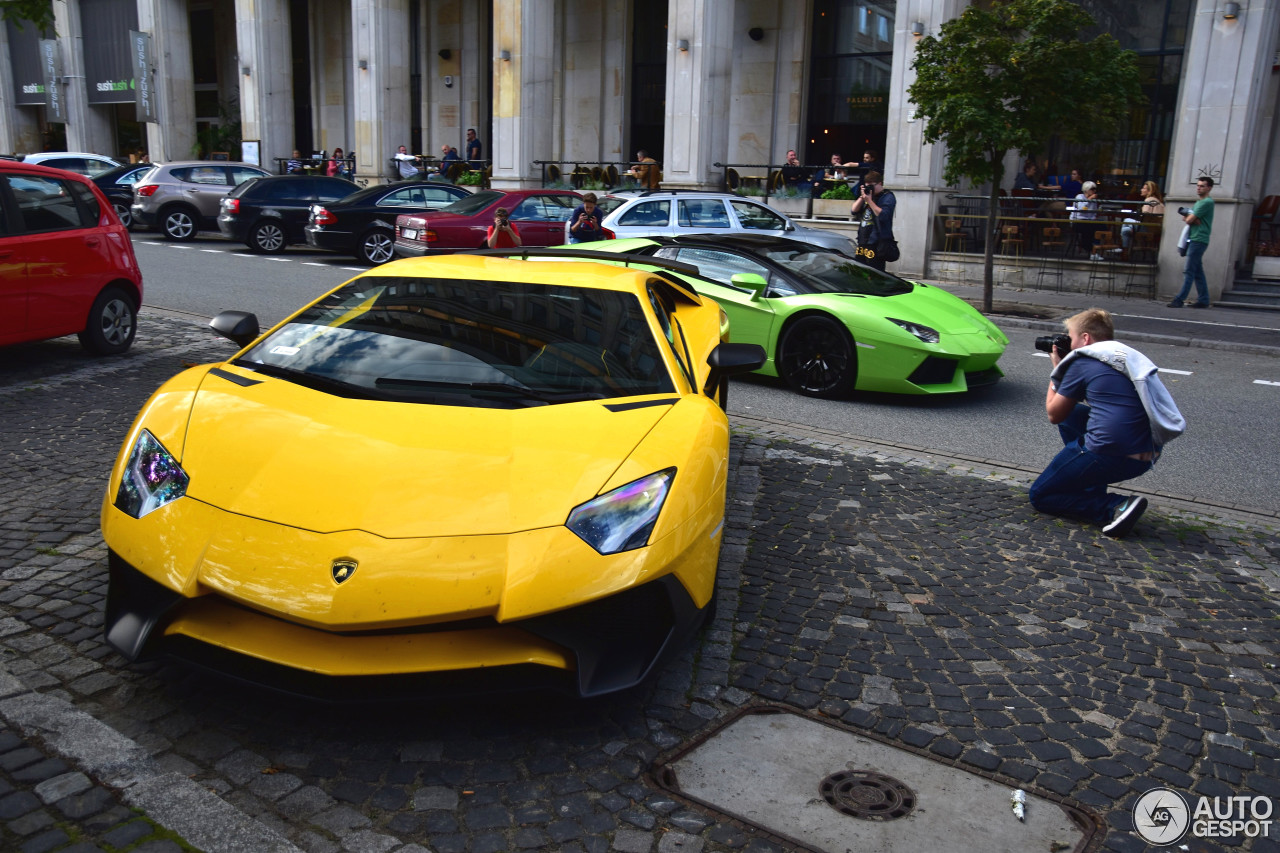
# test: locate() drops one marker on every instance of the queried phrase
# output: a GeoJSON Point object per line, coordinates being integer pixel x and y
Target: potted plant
{"type": "Point", "coordinates": [834, 203]}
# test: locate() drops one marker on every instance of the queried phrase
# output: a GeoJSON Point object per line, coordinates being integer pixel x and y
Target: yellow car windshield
{"type": "Point", "coordinates": [468, 343]}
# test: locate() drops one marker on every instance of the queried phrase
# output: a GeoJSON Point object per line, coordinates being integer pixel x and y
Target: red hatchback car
{"type": "Point", "coordinates": [66, 263]}
{"type": "Point", "coordinates": [539, 216]}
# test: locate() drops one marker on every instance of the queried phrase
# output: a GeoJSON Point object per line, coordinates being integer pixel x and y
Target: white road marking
{"type": "Point", "coordinates": [1039, 354]}
{"type": "Point", "coordinates": [280, 260]}
{"type": "Point", "coordinates": [215, 251]}
{"type": "Point", "coordinates": [1197, 322]}
{"type": "Point", "coordinates": [1265, 382]}
{"type": "Point", "coordinates": [313, 264]}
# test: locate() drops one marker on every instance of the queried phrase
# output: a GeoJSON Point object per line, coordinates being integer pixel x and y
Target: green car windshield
{"type": "Point", "coordinates": [828, 272]}
{"type": "Point", "coordinates": [464, 342]}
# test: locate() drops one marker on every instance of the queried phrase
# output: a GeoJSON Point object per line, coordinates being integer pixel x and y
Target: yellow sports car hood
{"type": "Point", "coordinates": [295, 456]}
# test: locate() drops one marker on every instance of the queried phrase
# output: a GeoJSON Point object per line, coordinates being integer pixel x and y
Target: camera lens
{"type": "Point", "coordinates": [1048, 343]}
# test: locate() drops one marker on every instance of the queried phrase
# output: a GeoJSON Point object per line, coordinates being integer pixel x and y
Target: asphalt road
{"type": "Point", "coordinates": [1225, 457]}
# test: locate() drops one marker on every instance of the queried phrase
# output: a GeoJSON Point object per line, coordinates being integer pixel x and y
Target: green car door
{"type": "Point", "coordinates": [751, 315]}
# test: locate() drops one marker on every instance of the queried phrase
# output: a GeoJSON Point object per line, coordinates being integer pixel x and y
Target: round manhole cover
{"type": "Point", "coordinates": [869, 796]}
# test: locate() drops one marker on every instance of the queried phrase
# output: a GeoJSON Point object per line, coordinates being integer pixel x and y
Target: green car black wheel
{"type": "Point", "coordinates": [816, 357]}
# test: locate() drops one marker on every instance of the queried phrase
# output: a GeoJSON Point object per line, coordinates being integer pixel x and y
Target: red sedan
{"type": "Point", "coordinates": [539, 216]}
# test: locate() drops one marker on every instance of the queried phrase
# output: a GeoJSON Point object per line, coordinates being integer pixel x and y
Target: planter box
{"type": "Point", "coordinates": [793, 207]}
{"type": "Point", "coordinates": [1264, 267]}
{"type": "Point", "coordinates": [832, 208]}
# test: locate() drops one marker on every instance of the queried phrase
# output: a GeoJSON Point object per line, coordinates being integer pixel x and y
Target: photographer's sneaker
{"type": "Point", "coordinates": [1127, 515]}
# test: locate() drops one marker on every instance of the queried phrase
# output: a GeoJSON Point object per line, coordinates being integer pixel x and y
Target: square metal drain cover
{"type": "Point", "coordinates": [774, 769]}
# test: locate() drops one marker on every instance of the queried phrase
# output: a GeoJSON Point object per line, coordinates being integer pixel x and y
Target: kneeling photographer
{"type": "Point", "coordinates": [1114, 415]}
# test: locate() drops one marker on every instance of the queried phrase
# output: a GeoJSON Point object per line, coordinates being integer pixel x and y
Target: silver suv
{"type": "Point", "coordinates": [180, 199]}
{"type": "Point", "coordinates": [669, 213]}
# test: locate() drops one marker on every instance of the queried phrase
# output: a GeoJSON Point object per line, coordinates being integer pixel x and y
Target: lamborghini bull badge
{"type": "Point", "coordinates": [342, 570]}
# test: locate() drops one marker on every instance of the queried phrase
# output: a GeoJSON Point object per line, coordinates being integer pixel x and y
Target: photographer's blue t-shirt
{"type": "Point", "coordinates": [1118, 424]}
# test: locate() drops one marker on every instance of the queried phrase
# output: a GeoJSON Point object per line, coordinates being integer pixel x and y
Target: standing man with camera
{"type": "Point", "coordinates": [1116, 435]}
{"type": "Point", "coordinates": [1200, 220]}
{"type": "Point", "coordinates": [873, 209]}
{"type": "Point", "coordinates": [502, 234]}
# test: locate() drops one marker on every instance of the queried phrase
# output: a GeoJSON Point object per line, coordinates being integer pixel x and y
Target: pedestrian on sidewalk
{"type": "Point", "coordinates": [1200, 221]}
{"type": "Point", "coordinates": [1116, 436]}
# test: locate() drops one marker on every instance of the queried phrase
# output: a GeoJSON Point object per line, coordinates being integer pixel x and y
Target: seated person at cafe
{"type": "Point", "coordinates": [836, 171]}
{"type": "Point", "coordinates": [1152, 206]}
{"type": "Point", "coordinates": [1084, 218]}
{"type": "Point", "coordinates": [1027, 180]}
{"type": "Point", "coordinates": [794, 175]}
{"type": "Point", "coordinates": [1071, 187]}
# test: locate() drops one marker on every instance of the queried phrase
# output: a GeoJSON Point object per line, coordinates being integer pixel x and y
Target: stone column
{"type": "Point", "coordinates": [699, 64]}
{"type": "Point", "coordinates": [380, 89]}
{"type": "Point", "coordinates": [523, 89]}
{"type": "Point", "coordinates": [266, 77]}
{"type": "Point", "coordinates": [88, 128]}
{"type": "Point", "coordinates": [914, 170]}
{"type": "Point", "coordinates": [1225, 77]}
{"type": "Point", "coordinates": [471, 62]}
{"type": "Point", "coordinates": [174, 136]}
{"type": "Point", "coordinates": [332, 70]}
{"type": "Point", "coordinates": [768, 81]}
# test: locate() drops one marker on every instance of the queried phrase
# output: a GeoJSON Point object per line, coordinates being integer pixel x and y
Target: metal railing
{"type": "Point", "coordinates": [591, 174]}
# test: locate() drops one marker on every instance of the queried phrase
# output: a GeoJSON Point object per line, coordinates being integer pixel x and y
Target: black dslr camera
{"type": "Point", "coordinates": [1184, 211]}
{"type": "Point", "coordinates": [1049, 343]}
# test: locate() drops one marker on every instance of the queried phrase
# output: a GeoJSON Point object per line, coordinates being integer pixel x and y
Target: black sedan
{"type": "Point", "coordinates": [267, 214]}
{"type": "Point", "coordinates": [364, 223]}
{"type": "Point", "coordinates": [117, 185]}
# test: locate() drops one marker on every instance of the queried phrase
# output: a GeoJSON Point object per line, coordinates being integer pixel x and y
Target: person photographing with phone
{"type": "Point", "coordinates": [502, 234]}
{"type": "Point", "coordinates": [873, 209]}
{"type": "Point", "coordinates": [584, 222]}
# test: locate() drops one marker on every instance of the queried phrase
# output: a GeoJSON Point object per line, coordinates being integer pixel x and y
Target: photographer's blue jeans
{"type": "Point", "coordinates": [1194, 273]}
{"type": "Point", "coordinates": [1075, 482]}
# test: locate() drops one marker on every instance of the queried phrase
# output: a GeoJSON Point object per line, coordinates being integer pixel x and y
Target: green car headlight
{"type": "Point", "coordinates": [152, 478]}
{"type": "Point", "coordinates": [924, 333]}
{"type": "Point", "coordinates": [621, 520]}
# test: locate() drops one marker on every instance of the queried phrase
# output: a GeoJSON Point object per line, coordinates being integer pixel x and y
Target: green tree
{"type": "Point", "coordinates": [38, 12]}
{"type": "Point", "coordinates": [1008, 75]}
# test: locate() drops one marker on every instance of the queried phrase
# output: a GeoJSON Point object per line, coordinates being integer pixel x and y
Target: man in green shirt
{"type": "Point", "coordinates": [1201, 221]}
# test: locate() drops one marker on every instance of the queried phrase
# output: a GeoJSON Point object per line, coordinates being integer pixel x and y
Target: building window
{"type": "Point", "coordinates": [1157, 31]}
{"type": "Point", "coordinates": [852, 51]}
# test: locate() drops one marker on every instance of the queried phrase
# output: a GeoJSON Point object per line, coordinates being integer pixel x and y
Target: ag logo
{"type": "Point", "coordinates": [1161, 816]}
{"type": "Point", "coordinates": [342, 569]}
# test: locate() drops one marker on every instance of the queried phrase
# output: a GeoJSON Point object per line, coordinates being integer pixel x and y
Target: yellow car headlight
{"type": "Point", "coordinates": [621, 520]}
{"type": "Point", "coordinates": [152, 478]}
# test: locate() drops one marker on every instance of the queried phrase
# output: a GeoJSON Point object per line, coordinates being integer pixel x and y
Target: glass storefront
{"type": "Point", "coordinates": [1157, 31]}
{"type": "Point", "coordinates": [849, 78]}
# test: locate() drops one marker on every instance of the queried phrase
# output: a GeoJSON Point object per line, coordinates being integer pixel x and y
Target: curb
{"type": "Point", "coordinates": [175, 802]}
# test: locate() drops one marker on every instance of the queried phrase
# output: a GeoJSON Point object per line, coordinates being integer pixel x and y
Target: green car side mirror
{"type": "Point", "coordinates": [751, 281]}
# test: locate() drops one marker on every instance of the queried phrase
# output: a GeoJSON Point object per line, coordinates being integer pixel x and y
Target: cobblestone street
{"type": "Point", "coordinates": [904, 595]}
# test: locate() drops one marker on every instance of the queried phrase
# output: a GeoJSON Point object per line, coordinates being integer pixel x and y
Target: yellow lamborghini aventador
{"type": "Point", "coordinates": [443, 466]}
